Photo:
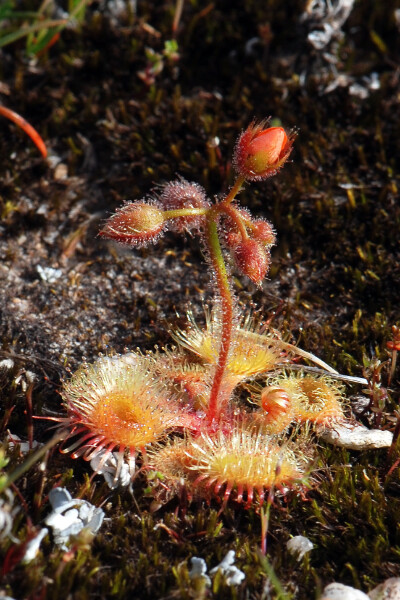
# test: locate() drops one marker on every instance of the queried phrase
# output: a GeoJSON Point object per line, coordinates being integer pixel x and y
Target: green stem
{"type": "Point", "coordinates": [7, 480]}
{"type": "Point", "coordinates": [266, 565]}
{"type": "Point", "coordinates": [184, 212]}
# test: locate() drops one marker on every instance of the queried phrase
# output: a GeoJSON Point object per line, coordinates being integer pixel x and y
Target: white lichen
{"type": "Point", "coordinates": [299, 545]}
{"type": "Point", "coordinates": [198, 572]}
{"type": "Point", "coordinates": [232, 575]}
{"type": "Point", "coordinates": [326, 19]}
{"type": "Point", "coordinates": [116, 470]}
{"type": "Point", "coordinates": [70, 516]}
{"type": "Point", "coordinates": [23, 447]}
{"type": "Point", "coordinates": [32, 547]}
{"type": "Point", "coordinates": [7, 514]}
{"type": "Point", "coordinates": [48, 274]}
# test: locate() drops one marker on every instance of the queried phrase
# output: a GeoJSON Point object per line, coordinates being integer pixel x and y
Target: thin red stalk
{"type": "Point", "coordinates": [177, 16]}
{"type": "Point", "coordinates": [49, 44]}
{"type": "Point", "coordinates": [224, 291]}
{"type": "Point", "coordinates": [265, 516]}
{"type": "Point", "coordinates": [25, 126]}
{"type": "Point", "coordinates": [236, 218]}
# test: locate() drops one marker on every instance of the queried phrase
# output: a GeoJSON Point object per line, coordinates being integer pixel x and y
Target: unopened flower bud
{"type": "Point", "coordinates": [232, 237]}
{"type": "Point", "coordinates": [260, 152]}
{"type": "Point", "coordinates": [275, 400]}
{"type": "Point", "coordinates": [252, 259]}
{"type": "Point", "coordinates": [230, 231]}
{"type": "Point", "coordinates": [263, 232]}
{"type": "Point", "coordinates": [180, 194]}
{"type": "Point", "coordinates": [394, 343]}
{"type": "Point", "coordinates": [135, 224]}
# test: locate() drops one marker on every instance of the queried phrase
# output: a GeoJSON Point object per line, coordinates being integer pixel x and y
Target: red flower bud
{"type": "Point", "coordinates": [276, 402]}
{"type": "Point", "coordinates": [183, 194]}
{"type": "Point", "coordinates": [259, 152]}
{"type": "Point", "coordinates": [252, 259]}
{"type": "Point", "coordinates": [135, 224]}
{"type": "Point", "coordinates": [394, 344]}
{"type": "Point", "coordinates": [263, 232]}
{"type": "Point", "coordinates": [232, 236]}
{"type": "Point", "coordinates": [230, 232]}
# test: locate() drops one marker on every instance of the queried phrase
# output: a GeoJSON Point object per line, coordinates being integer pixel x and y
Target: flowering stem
{"type": "Point", "coordinates": [219, 268]}
{"type": "Point", "coordinates": [236, 217]}
{"type": "Point", "coordinates": [237, 186]}
{"type": "Point", "coordinates": [225, 294]}
{"type": "Point", "coordinates": [264, 515]}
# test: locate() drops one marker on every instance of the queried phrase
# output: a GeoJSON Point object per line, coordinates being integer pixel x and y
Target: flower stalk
{"type": "Point", "coordinates": [224, 291]}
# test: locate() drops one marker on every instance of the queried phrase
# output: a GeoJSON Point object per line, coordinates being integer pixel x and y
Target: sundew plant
{"type": "Point", "coordinates": [226, 412]}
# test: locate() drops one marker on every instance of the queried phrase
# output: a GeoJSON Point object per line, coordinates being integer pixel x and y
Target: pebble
{"type": "Point", "coordinates": [388, 590]}
{"type": "Point", "coordinates": [338, 591]}
{"type": "Point", "coordinates": [354, 436]}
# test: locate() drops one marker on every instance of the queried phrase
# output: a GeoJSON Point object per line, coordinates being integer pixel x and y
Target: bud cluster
{"type": "Point", "coordinates": [249, 241]}
{"type": "Point", "coordinates": [183, 206]}
{"type": "Point", "coordinates": [180, 205]}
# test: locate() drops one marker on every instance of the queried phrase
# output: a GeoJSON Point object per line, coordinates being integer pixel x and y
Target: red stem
{"type": "Point", "coordinates": [219, 268]}
{"type": "Point", "coordinates": [25, 126]}
{"type": "Point", "coordinates": [217, 402]}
